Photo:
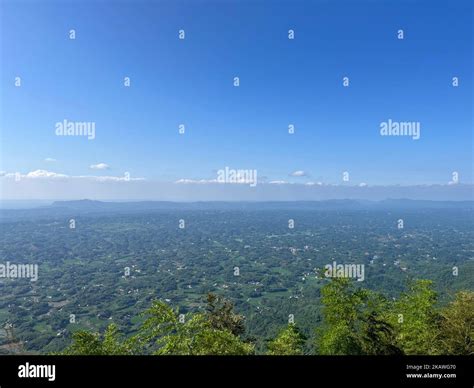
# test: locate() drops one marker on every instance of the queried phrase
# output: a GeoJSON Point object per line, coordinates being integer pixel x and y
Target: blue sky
{"type": "Point", "coordinates": [282, 82]}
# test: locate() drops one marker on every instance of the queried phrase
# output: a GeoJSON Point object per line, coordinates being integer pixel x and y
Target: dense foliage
{"type": "Point", "coordinates": [356, 322]}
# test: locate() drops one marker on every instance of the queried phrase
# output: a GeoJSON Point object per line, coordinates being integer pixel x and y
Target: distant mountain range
{"type": "Point", "coordinates": [89, 205]}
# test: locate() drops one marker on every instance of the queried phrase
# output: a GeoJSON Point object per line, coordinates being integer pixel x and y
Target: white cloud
{"type": "Point", "coordinates": [43, 174]}
{"type": "Point", "coordinates": [278, 182]}
{"type": "Point", "coordinates": [196, 181]}
{"type": "Point", "coordinates": [99, 166]}
{"type": "Point", "coordinates": [109, 178]}
{"type": "Point", "coordinates": [298, 173]}
{"type": "Point", "coordinates": [362, 184]}
{"type": "Point", "coordinates": [50, 160]}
